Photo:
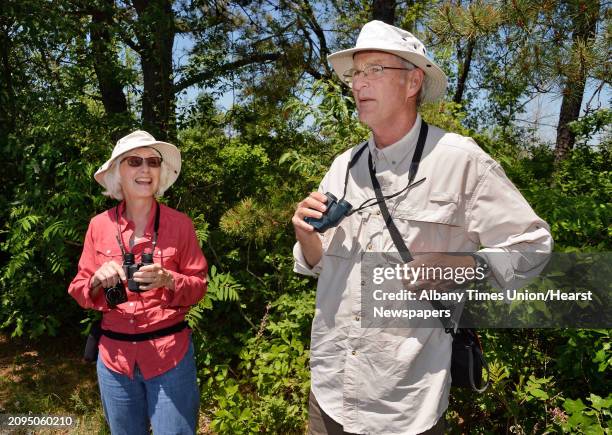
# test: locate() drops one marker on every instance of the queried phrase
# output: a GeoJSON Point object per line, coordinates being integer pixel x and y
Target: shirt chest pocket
{"type": "Point", "coordinates": [440, 208]}
{"type": "Point", "coordinates": [432, 225]}
{"type": "Point", "coordinates": [107, 255]}
{"type": "Point", "coordinates": [343, 240]}
{"type": "Point", "coordinates": [167, 257]}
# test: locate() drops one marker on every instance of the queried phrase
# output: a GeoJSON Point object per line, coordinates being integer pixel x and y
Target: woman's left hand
{"type": "Point", "coordinates": [154, 276]}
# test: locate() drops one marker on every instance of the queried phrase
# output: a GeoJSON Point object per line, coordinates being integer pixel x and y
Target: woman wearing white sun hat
{"type": "Point", "coordinates": [146, 366]}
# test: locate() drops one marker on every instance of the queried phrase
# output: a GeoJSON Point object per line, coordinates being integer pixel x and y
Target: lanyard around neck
{"type": "Point", "coordinates": [416, 157]}
{"type": "Point", "coordinates": [155, 229]}
{"type": "Point", "coordinates": [414, 167]}
{"type": "Point", "coordinates": [397, 238]}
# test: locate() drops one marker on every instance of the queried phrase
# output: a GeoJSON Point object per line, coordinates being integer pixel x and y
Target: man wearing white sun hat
{"type": "Point", "coordinates": [397, 381]}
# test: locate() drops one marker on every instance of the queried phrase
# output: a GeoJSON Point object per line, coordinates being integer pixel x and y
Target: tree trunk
{"type": "Point", "coordinates": [106, 66]}
{"type": "Point", "coordinates": [155, 31]}
{"type": "Point", "coordinates": [384, 10]}
{"type": "Point", "coordinates": [464, 71]}
{"type": "Point", "coordinates": [585, 18]}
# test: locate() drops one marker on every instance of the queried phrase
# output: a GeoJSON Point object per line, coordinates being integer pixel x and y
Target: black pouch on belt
{"type": "Point", "coordinates": [91, 347]}
{"type": "Point", "coordinates": [467, 360]}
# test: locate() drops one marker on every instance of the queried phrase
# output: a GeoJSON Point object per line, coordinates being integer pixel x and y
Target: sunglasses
{"type": "Point", "coordinates": [136, 161]}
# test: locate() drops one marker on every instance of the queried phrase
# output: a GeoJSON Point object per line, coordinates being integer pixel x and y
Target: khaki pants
{"type": "Point", "coordinates": [319, 423]}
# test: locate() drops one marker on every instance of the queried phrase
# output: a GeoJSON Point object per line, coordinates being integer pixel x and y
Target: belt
{"type": "Point", "coordinates": [144, 336]}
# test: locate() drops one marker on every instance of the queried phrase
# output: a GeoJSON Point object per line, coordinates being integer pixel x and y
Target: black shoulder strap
{"type": "Point", "coordinates": [156, 225]}
{"type": "Point", "coordinates": [397, 238]}
{"type": "Point", "coordinates": [351, 163]}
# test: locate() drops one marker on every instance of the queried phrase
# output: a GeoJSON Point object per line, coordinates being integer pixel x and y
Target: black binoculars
{"type": "Point", "coordinates": [336, 211]}
{"type": "Point", "coordinates": [117, 295]}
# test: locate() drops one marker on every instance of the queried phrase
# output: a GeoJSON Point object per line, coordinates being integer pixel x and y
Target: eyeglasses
{"type": "Point", "coordinates": [136, 161]}
{"type": "Point", "coordinates": [372, 72]}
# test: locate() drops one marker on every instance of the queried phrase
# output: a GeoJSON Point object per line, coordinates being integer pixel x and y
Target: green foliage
{"type": "Point", "coordinates": [575, 201]}
{"type": "Point", "coordinates": [244, 170]}
{"type": "Point", "coordinates": [51, 203]}
{"type": "Point", "coordinates": [534, 375]}
{"type": "Point", "coordinates": [222, 287]}
{"type": "Point", "coordinates": [591, 124]}
{"type": "Point", "coordinates": [587, 419]}
{"type": "Point", "coordinates": [268, 390]}
{"type": "Point", "coordinates": [253, 221]}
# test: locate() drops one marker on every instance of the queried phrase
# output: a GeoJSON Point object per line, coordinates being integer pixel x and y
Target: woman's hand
{"type": "Point", "coordinates": [108, 275]}
{"type": "Point", "coordinates": [154, 276]}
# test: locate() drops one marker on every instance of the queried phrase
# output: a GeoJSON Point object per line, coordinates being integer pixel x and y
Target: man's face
{"type": "Point", "coordinates": [380, 101]}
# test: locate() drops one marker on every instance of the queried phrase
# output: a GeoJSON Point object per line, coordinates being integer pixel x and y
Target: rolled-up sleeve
{"type": "Point", "coordinates": [516, 242]}
{"type": "Point", "coordinates": [300, 264]}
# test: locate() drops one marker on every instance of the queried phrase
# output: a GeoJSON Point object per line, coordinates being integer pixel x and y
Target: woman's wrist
{"type": "Point", "coordinates": [94, 287]}
{"type": "Point", "coordinates": [93, 283]}
{"type": "Point", "coordinates": [169, 280]}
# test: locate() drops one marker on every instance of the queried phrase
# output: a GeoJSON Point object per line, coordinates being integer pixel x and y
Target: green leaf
{"type": "Point", "coordinates": [598, 403]}
{"type": "Point", "coordinates": [536, 392]}
{"type": "Point", "coordinates": [573, 406]}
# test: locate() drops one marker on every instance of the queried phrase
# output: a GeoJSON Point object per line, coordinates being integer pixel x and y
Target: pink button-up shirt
{"type": "Point", "coordinates": [177, 251]}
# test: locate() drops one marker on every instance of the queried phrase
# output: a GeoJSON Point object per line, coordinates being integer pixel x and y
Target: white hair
{"type": "Point", "coordinates": [112, 179]}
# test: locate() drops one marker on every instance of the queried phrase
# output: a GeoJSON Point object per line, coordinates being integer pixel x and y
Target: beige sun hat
{"type": "Point", "coordinates": [170, 154]}
{"type": "Point", "coordinates": [380, 36]}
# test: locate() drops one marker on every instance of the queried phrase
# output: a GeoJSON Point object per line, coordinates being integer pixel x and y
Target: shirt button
{"type": "Point", "coordinates": [393, 162]}
{"type": "Point", "coordinates": [362, 282]}
{"type": "Point", "coordinates": [108, 251]}
{"type": "Point", "coordinates": [354, 352]}
{"type": "Point", "coordinates": [131, 304]}
{"type": "Point", "coordinates": [378, 212]}
{"type": "Point", "coordinates": [357, 318]}
{"type": "Point", "coordinates": [369, 247]}
{"type": "Point", "coordinates": [158, 252]}
{"type": "Point", "coordinates": [133, 342]}
{"type": "Point", "coordinates": [131, 320]}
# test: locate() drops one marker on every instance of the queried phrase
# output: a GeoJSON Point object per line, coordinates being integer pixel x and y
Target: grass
{"type": "Point", "coordinates": [50, 377]}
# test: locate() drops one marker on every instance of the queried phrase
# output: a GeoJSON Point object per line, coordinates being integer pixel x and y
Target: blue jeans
{"type": "Point", "coordinates": [170, 401]}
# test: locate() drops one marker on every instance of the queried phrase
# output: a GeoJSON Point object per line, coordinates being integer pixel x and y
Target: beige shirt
{"type": "Point", "coordinates": [397, 381]}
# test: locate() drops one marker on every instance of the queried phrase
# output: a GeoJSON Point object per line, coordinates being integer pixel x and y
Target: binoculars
{"type": "Point", "coordinates": [117, 295]}
{"type": "Point", "coordinates": [336, 211]}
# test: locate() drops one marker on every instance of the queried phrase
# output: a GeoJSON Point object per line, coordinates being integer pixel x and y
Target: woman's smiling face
{"type": "Point", "coordinates": [139, 181]}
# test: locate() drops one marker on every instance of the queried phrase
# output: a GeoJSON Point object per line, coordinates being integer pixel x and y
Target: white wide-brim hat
{"type": "Point", "coordinates": [170, 154]}
{"type": "Point", "coordinates": [379, 36]}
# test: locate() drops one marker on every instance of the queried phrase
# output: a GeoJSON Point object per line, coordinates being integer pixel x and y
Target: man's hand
{"type": "Point", "coordinates": [312, 206]}
{"type": "Point", "coordinates": [154, 276]}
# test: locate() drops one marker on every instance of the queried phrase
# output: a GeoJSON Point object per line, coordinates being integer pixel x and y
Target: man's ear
{"type": "Point", "coordinates": [415, 82]}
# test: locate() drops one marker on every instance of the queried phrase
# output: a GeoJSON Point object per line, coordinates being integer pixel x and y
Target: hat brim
{"type": "Point", "coordinates": [170, 154]}
{"type": "Point", "coordinates": [436, 81]}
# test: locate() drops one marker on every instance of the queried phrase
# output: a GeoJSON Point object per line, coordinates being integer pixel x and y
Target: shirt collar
{"type": "Point", "coordinates": [396, 152]}
{"type": "Point", "coordinates": [124, 224]}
